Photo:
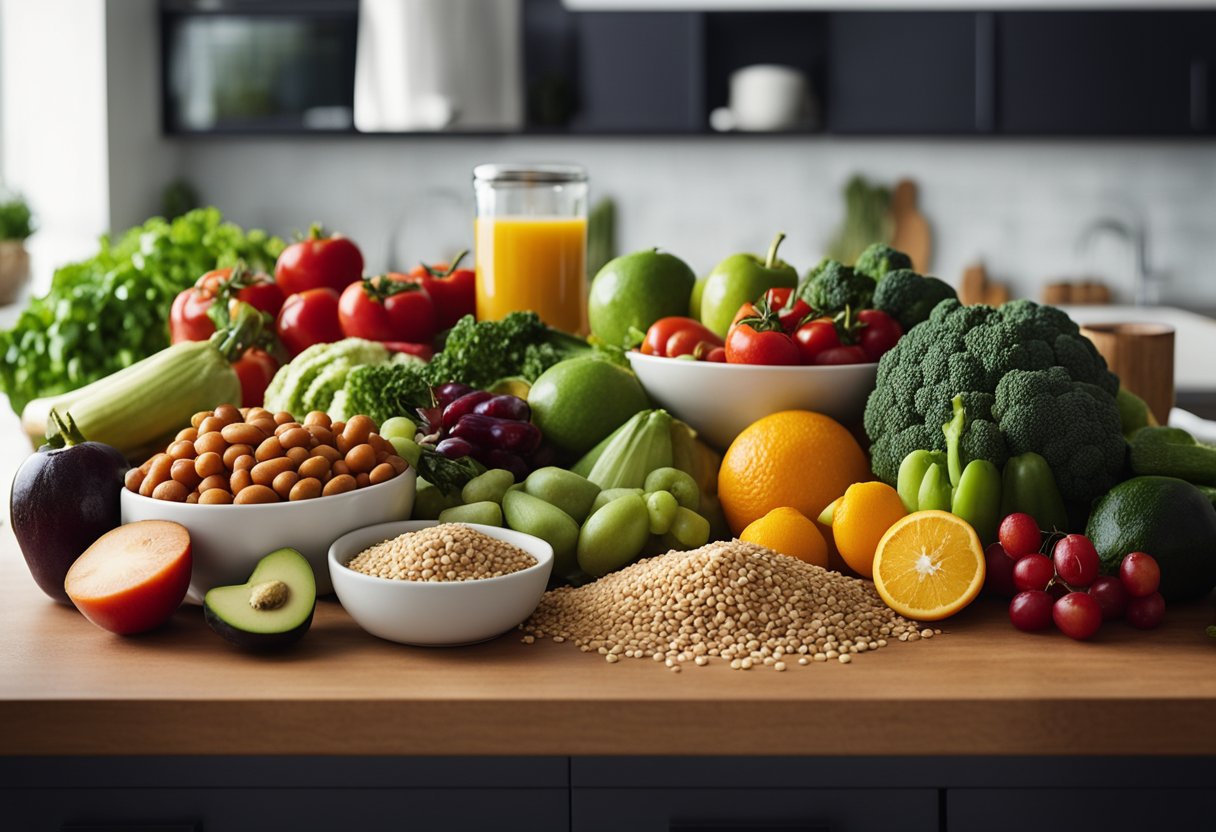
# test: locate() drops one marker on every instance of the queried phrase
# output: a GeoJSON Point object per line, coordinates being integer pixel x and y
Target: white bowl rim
{"type": "Point", "coordinates": [787, 368]}
{"type": "Point", "coordinates": [376, 580]}
{"type": "Point", "coordinates": [128, 494]}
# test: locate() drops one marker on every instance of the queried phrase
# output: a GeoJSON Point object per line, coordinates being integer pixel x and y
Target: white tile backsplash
{"type": "Point", "coordinates": [1020, 205]}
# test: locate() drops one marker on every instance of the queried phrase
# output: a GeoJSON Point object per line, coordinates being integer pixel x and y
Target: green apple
{"type": "Point", "coordinates": [635, 290]}
{"type": "Point", "coordinates": [740, 279]}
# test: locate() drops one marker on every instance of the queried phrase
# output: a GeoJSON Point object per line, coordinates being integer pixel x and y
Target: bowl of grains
{"type": "Point", "coordinates": [436, 584]}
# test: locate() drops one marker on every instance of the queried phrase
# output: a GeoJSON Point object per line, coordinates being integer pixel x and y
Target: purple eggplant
{"type": "Point", "coordinates": [63, 499]}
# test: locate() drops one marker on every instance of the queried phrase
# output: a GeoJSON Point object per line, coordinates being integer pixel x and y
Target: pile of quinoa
{"type": "Point", "coordinates": [735, 601]}
{"type": "Point", "coordinates": [447, 552]}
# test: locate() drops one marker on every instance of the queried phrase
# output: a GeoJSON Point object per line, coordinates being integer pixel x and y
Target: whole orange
{"type": "Point", "coordinates": [794, 458]}
{"type": "Point", "coordinates": [863, 516]}
{"type": "Point", "coordinates": [788, 531]}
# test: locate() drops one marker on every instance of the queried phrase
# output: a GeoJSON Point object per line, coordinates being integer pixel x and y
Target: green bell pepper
{"type": "Point", "coordinates": [1027, 485]}
{"type": "Point", "coordinates": [1172, 452]}
{"type": "Point", "coordinates": [935, 491]}
{"type": "Point", "coordinates": [977, 499]}
{"type": "Point", "coordinates": [912, 473]}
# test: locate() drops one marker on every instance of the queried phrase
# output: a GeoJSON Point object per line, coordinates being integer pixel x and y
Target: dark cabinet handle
{"type": "Point", "coordinates": [131, 827]}
{"type": "Point", "coordinates": [1199, 94]}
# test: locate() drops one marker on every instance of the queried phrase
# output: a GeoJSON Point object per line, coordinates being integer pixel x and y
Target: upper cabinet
{"type": "Point", "coordinates": [536, 66]}
{"type": "Point", "coordinates": [912, 72]}
{"type": "Point", "coordinates": [1110, 73]}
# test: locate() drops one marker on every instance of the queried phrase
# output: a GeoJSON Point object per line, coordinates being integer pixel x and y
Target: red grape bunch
{"type": "Point", "coordinates": [1066, 589]}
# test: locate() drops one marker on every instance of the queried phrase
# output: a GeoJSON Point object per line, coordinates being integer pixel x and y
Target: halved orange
{"type": "Point", "coordinates": [929, 565]}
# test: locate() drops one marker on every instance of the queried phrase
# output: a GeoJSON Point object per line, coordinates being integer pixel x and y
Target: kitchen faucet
{"type": "Point", "coordinates": [1135, 234]}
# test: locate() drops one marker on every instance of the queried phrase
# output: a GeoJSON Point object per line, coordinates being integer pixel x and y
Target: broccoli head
{"type": "Point", "coordinates": [909, 298]}
{"type": "Point", "coordinates": [971, 351]}
{"type": "Point", "coordinates": [879, 259]}
{"type": "Point", "coordinates": [1073, 425]}
{"type": "Point", "coordinates": [831, 286]}
{"type": "Point", "coordinates": [381, 391]}
{"type": "Point", "coordinates": [479, 353]}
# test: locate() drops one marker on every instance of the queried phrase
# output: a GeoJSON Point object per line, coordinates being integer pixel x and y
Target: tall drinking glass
{"type": "Point", "coordinates": [531, 242]}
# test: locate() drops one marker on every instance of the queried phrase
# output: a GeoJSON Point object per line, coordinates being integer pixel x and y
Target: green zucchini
{"type": "Point", "coordinates": [146, 404]}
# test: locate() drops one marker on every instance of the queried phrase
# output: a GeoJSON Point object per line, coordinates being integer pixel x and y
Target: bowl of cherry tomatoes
{"type": "Point", "coordinates": [778, 355]}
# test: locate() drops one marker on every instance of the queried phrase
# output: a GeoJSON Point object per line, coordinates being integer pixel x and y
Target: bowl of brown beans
{"type": "Point", "coordinates": [246, 481]}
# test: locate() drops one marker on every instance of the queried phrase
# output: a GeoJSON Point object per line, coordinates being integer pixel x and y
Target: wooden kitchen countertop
{"type": "Point", "coordinates": [68, 688]}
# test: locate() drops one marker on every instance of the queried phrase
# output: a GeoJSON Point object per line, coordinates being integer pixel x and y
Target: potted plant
{"type": "Point", "coordinates": [16, 224]}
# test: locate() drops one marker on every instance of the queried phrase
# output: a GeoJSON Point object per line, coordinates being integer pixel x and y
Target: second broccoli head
{"type": "Point", "coordinates": [831, 286]}
{"type": "Point", "coordinates": [1029, 382]}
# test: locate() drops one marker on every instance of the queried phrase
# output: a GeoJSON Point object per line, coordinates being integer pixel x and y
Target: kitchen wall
{"type": "Point", "coordinates": [1020, 206]}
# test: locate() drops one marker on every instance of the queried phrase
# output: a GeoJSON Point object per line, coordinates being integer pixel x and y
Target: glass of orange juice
{"type": "Point", "coordinates": [531, 242]}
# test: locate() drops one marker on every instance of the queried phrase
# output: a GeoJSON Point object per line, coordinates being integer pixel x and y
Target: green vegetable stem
{"type": "Point", "coordinates": [1027, 485]}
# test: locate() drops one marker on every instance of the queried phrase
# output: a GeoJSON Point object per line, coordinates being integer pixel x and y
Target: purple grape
{"type": "Point", "coordinates": [517, 437]}
{"type": "Point", "coordinates": [505, 407]}
{"type": "Point", "coordinates": [497, 458]}
{"type": "Point", "coordinates": [463, 406]}
{"type": "Point", "coordinates": [456, 448]}
{"type": "Point", "coordinates": [445, 394]}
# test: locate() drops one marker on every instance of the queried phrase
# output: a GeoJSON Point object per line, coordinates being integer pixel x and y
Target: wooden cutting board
{"type": "Point", "coordinates": [911, 235]}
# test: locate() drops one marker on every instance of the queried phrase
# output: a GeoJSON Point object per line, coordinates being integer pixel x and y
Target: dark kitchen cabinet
{"type": "Point", "coordinates": [1068, 809]}
{"type": "Point", "coordinates": [745, 810]}
{"type": "Point", "coordinates": [962, 73]}
{"type": "Point", "coordinates": [639, 72]}
{"type": "Point", "coordinates": [909, 72]}
{"type": "Point", "coordinates": [1105, 73]}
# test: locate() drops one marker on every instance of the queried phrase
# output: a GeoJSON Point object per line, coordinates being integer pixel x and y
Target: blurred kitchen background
{"type": "Point", "coordinates": [1065, 155]}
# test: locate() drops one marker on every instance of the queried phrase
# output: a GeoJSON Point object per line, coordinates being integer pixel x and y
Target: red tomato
{"type": "Point", "coordinates": [190, 318]}
{"type": "Point", "coordinates": [716, 355]}
{"type": "Point", "coordinates": [850, 354]}
{"type": "Point", "coordinates": [255, 368]}
{"type": "Point", "coordinates": [307, 318]}
{"type": "Point", "coordinates": [759, 339]}
{"type": "Point", "coordinates": [383, 309]}
{"type": "Point", "coordinates": [452, 289]}
{"type": "Point", "coordinates": [779, 296]}
{"type": "Point", "coordinates": [879, 332]}
{"type": "Point", "coordinates": [318, 262]}
{"type": "Point", "coordinates": [813, 337]}
{"type": "Point", "coordinates": [659, 338]}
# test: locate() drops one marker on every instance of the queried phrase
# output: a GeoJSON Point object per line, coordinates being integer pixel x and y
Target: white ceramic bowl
{"type": "Point", "coordinates": [227, 541]}
{"type": "Point", "coordinates": [437, 614]}
{"type": "Point", "coordinates": [720, 400]}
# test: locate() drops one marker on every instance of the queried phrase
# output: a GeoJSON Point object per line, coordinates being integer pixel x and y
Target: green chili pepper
{"type": "Point", "coordinates": [934, 489]}
{"type": "Point", "coordinates": [978, 498]}
{"type": "Point", "coordinates": [912, 474]}
{"type": "Point", "coordinates": [1027, 485]}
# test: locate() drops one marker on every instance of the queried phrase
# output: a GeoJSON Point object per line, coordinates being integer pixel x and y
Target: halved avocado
{"type": "Point", "coordinates": [271, 610]}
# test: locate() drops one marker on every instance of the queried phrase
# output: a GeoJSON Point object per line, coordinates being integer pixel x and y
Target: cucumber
{"type": "Point", "coordinates": [147, 403]}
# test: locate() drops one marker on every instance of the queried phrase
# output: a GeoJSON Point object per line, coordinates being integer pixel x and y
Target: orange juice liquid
{"type": "Point", "coordinates": [537, 263]}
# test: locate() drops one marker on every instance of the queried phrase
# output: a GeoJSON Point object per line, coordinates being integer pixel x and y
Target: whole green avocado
{"type": "Point", "coordinates": [1169, 519]}
{"type": "Point", "coordinates": [635, 290]}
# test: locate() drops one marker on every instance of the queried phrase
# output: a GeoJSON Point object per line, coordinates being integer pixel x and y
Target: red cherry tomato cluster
{"type": "Point", "coordinates": [336, 301]}
{"type": "Point", "coordinates": [782, 329]}
{"type": "Point", "coordinates": [1066, 588]}
{"type": "Point", "coordinates": [319, 295]}
{"type": "Point", "coordinates": [677, 337]}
